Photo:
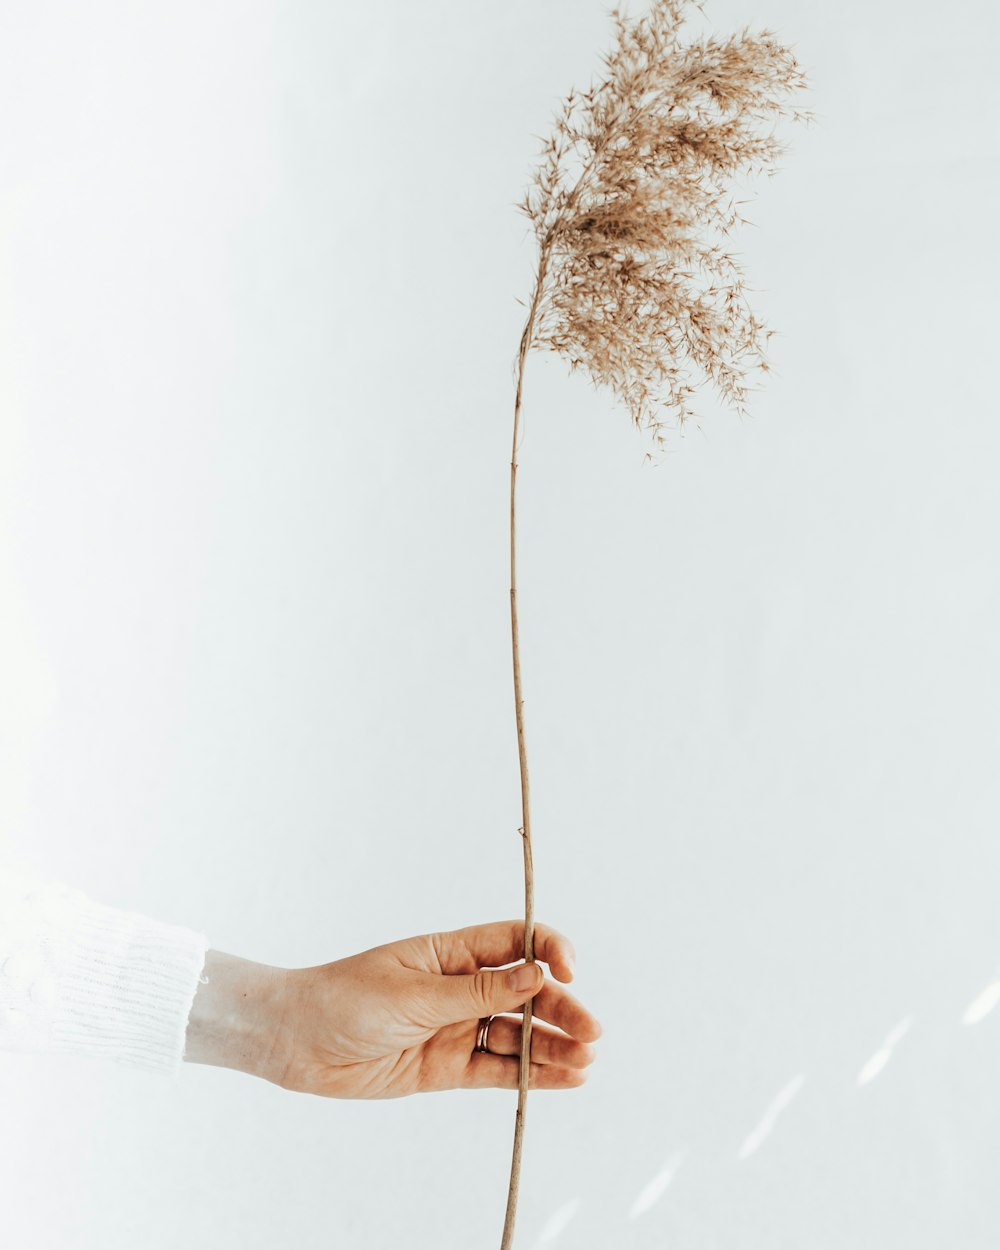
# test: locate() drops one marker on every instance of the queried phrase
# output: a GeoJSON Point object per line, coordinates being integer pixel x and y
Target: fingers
{"type": "Point", "coordinates": [494, 945]}
{"type": "Point", "coordinates": [486, 1071]}
{"type": "Point", "coordinates": [559, 1007]}
{"type": "Point", "coordinates": [547, 1045]}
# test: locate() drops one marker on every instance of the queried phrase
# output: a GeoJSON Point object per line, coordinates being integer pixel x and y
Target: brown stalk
{"type": "Point", "coordinates": [632, 281]}
{"type": "Point", "coordinates": [525, 830]}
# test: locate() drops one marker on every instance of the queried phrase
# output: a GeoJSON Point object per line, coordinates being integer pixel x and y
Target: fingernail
{"type": "Point", "coordinates": [523, 978]}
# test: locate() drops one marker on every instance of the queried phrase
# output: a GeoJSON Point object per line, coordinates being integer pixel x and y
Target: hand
{"type": "Point", "coordinates": [398, 1019]}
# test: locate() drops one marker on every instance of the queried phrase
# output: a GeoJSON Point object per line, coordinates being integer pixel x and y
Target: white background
{"type": "Point", "coordinates": [259, 272]}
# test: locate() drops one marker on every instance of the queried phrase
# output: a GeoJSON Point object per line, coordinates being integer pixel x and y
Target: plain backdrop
{"type": "Point", "coordinates": [259, 273]}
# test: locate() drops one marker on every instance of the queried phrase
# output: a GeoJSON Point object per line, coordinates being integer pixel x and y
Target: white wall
{"type": "Point", "coordinates": [259, 265]}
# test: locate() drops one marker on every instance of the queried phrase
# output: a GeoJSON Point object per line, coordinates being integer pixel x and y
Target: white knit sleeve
{"type": "Point", "coordinates": [78, 977]}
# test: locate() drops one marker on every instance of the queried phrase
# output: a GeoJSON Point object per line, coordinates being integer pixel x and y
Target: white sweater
{"type": "Point", "coordinates": [78, 977]}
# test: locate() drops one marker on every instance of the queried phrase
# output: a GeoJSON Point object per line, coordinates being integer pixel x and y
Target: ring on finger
{"type": "Point", "coordinates": [483, 1035]}
{"type": "Point", "coordinates": [506, 1036]}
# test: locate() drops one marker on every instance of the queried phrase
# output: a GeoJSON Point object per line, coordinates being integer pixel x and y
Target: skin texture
{"type": "Point", "coordinates": [397, 1019]}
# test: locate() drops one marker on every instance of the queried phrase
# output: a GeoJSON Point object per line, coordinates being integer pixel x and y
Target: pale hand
{"type": "Point", "coordinates": [398, 1019]}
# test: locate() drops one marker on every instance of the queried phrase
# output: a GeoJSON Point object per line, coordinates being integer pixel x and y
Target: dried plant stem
{"type": "Point", "coordinates": [525, 830]}
{"type": "Point", "coordinates": [634, 283]}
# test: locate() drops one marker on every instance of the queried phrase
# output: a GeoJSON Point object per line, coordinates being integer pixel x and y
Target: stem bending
{"type": "Point", "coordinates": [525, 830]}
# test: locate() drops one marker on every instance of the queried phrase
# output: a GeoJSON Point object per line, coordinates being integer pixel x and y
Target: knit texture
{"type": "Point", "coordinates": [78, 977]}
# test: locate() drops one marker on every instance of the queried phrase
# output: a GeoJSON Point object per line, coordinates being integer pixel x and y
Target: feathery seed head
{"type": "Point", "coordinates": [632, 202]}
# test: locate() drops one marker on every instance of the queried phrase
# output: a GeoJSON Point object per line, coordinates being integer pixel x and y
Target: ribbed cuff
{"type": "Point", "coordinates": [81, 978]}
{"type": "Point", "coordinates": [129, 986]}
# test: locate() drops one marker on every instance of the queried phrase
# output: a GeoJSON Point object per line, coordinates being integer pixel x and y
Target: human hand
{"type": "Point", "coordinates": [398, 1019]}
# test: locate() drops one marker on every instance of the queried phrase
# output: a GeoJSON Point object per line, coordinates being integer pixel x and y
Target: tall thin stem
{"type": "Point", "coordinates": [525, 830]}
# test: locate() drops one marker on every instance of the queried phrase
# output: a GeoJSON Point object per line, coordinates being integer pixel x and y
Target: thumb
{"type": "Point", "coordinates": [486, 993]}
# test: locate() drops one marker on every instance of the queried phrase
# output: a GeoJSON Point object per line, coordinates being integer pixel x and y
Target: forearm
{"type": "Point", "coordinates": [237, 1019]}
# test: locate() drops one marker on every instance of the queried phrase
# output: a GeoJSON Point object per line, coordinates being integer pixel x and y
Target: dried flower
{"type": "Point", "coordinates": [631, 205]}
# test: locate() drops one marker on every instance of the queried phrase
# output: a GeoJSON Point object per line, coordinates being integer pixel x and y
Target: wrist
{"type": "Point", "coordinates": [236, 1019]}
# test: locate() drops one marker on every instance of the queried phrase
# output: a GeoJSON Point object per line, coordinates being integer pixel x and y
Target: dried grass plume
{"type": "Point", "coordinates": [631, 205]}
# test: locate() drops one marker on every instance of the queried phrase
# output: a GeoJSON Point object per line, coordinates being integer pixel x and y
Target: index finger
{"type": "Point", "coordinates": [494, 945]}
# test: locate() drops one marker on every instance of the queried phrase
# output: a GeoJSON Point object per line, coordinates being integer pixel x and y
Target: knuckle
{"type": "Point", "coordinates": [438, 944]}
{"type": "Point", "coordinates": [479, 991]}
